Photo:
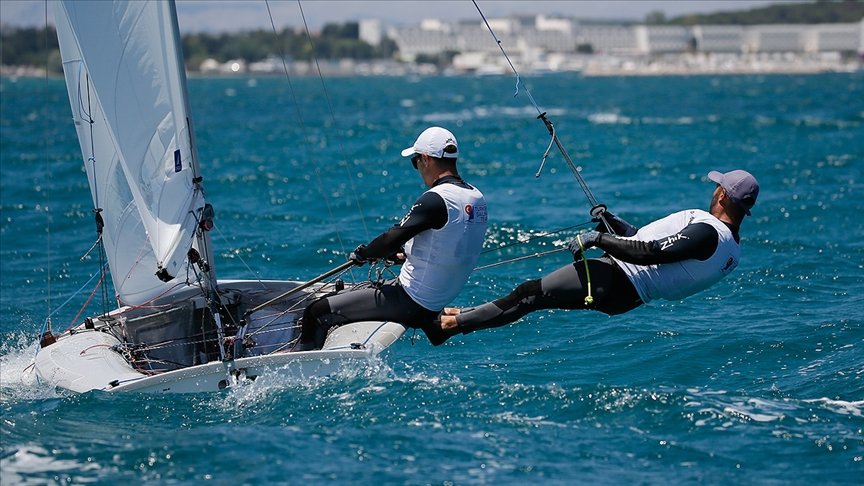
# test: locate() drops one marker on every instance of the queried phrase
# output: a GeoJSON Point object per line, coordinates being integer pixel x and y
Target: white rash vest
{"type": "Point", "coordinates": [675, 281]}
{"type": "Point", "coordinates": [439, 261]}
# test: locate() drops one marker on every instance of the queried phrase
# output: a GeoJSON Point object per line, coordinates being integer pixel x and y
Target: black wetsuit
{"type": "Point", "coordinates": [612, 291]}
{"type": "Point", "coordinates": [384, 301]}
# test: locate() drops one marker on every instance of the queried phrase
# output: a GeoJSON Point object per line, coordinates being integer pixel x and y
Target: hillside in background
{"type": "Point", "coordinates": [821, 12]}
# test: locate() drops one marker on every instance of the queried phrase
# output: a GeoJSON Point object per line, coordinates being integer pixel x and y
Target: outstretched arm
{"type": "Point", "coordinates": [428, 212]}
{"type": "Point", "coordinates": [698, 240]}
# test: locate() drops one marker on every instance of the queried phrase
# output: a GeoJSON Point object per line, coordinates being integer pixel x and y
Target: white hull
{"type": "Point", "coordinates": [87, 359]}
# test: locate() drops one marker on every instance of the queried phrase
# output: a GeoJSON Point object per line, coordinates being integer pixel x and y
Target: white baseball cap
{"type": "Point", "coordinates": [432, 142]}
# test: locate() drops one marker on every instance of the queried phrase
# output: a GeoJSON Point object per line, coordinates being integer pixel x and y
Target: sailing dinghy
{"type": "Point", "coordinates": [177, 328]}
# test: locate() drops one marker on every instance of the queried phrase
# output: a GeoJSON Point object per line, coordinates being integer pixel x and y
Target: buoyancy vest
{"type": "Point", "coordinates": [675, 281]}
{"type": "Point", "coordinates": [439, 261]}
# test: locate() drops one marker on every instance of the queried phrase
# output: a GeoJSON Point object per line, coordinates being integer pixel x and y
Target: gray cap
{"type": "Point", "coordinates": [740, 186]}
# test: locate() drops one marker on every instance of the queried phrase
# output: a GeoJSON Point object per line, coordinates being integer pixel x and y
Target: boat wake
{"type": "Point", "coordinates": [17, 376]}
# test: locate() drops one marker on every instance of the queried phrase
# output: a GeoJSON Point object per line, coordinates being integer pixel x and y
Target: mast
{"type": "Point", "coordinates": [138, 144]}
{"type": "Point", "coordinates": [204, 258]}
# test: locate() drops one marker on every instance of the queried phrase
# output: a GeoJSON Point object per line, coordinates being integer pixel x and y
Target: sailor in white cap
{"type": "Point", "coordinates": [438, 243]}
{"type": "Point", "coordinates": [671, 258]}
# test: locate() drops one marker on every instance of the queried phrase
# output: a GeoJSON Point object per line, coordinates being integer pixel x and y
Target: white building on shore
{"type": "Point", "coordinates": [541, 43]}
{"type": "Point", "coordinates": [545, 35]}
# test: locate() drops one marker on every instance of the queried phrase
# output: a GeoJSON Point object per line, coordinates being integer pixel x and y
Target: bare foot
{"type": "Point", "coordinates": [451, 311]}
{"type": "Point", "coordinates": [448, 322]}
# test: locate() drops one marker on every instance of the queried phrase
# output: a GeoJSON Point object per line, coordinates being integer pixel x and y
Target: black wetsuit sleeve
{"type": "Point", "coordinates": [697, 240]}
{"type": "Point", "coordinates": [428, 212]}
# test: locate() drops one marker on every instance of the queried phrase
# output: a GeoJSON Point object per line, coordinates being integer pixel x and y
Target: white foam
{"type": "Point", "coordinates": [841, 406]}
{"type": "Point", "coordinates": [609, 119]}
{"type": "Point", "coordinates": [32, 458]}
{"type": "Point", "coordinates": [18, 380]}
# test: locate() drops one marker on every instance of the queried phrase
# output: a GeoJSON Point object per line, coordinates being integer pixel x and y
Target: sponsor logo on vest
{"type": "Point", "coordinates": [476, 212]}
{"type": "Point", "coordinates": [730, 265]}
{"type": "Point", "coordinates": [671, 240]}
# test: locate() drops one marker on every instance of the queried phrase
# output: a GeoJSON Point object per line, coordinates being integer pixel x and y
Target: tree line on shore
{"type": "Point", "coordinates": [37, 46]}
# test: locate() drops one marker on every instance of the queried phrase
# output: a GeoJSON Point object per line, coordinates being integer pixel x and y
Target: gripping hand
{"type": "Point", "coordinates": [397, 258]}
{"type": "Point", "coordinates": [357, 258]}
{"type": "Point", "coordinates": [583, 242]}
{"type": "Point", "coordinates": [618, 225]}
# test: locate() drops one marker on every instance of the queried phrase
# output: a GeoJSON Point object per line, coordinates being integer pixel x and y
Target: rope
{"type": "Point", "coordinates": [48, 319]}
{"type": "Point", "coordinates": [85, 305]}
{"type": "Point", "coordinates": [144, 304]}
{"type": "Point", "coordinates": [500, 46]}
{"type": "Point", "coordinates": [549, 126]}
{"type": "Point", "coordinates": [104, 271]}
{"type": "Point", "coordinates": [589, 299]}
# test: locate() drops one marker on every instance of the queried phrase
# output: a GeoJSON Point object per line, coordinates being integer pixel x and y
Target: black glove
{"type": "Point", "coordinates": [395, 259]}
{"type": "Point", "coordinates": [357, 258]}
{"type": "Point", "coordinates": [618, 225]}
{"type": "Point", "coordinates": [589, 240]}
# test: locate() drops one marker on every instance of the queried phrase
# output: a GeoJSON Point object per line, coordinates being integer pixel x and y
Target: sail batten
{"type": "Point", "coordinates": [137, 148]}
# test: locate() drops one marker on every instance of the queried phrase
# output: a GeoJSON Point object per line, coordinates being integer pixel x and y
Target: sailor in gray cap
{"type": "Point", "coordinates": [671, 258]}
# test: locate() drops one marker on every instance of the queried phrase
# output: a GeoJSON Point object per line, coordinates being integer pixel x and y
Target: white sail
{"type": "Point", "coordinates": [127, 87]}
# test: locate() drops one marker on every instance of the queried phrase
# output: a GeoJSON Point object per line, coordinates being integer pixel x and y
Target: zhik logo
{"type": "Point", "coordinates": [671, 241]}
{"type": "Point", "coordinates": [407, 216]}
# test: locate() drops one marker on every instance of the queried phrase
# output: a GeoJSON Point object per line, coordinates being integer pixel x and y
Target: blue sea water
{"type": "Point", "coordinates": [758, 380]}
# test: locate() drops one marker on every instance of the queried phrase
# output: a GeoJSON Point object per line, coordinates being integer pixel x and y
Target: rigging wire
{"type": "Point", "coordinates": [237, 253]}
{"type": "Point", "coordinates": [335, 124]}
{"type": "Point", "coordinates": [72, 324]}
{"type": "Point", "coordinates": [303, 127]}
{"type": "Point", "coordinates": [543, 235]}
{"type": "Point", "coordinates": [302, 124]}
{"type": "Point", "coordinates": [100, 224]}
{"type": "Point", "coordinates": [47, 163]}
{"type": "Point", "coordinates": [525, 257]}
{"type": "Point", "coordinates": [597, 210]}
{"type": "Point", "coordinates": [533, 255]}
{"type": "Point", "coordinates": [47, 325]}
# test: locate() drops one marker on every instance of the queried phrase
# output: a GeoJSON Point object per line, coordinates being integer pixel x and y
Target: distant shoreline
{"type": "Point", "coordinates": [689, 64]}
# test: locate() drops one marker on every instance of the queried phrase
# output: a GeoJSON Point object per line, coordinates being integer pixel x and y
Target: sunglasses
{"type": "Point", "coordinates": [415, 159]}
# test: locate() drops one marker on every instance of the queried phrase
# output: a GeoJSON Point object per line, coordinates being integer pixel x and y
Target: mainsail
{"type": "Point", "coordinates": [127, 86]}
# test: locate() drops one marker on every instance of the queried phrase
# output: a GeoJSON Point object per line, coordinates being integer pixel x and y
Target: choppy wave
{"type": "Point", "coordinates": [755, 380]}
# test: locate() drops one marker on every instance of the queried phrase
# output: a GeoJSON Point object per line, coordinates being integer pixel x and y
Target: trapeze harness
{"type": "Point", "coordinates": [671, 258]}
{"type": "Point", "coordinates": [442, 235]}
